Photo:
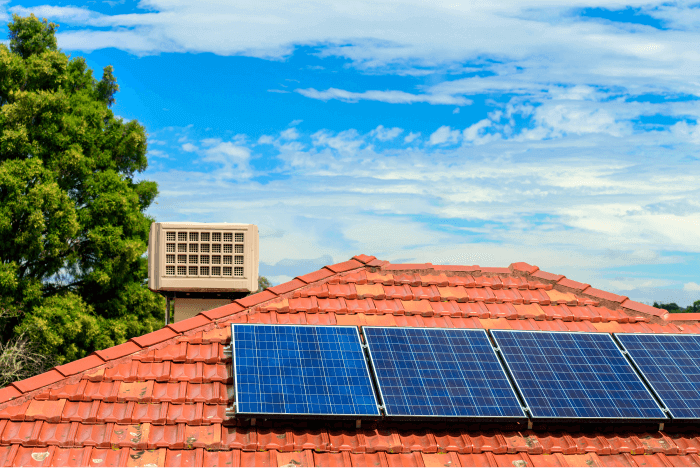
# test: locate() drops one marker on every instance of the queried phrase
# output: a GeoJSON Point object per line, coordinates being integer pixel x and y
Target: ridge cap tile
{"type": "Point", "coordinates": [604, 294]}
{"type": "Point", "coordinates": [641, 307]}
{"type": "Point", "coordinates": [569, 283]}
{"type": "Point", "coordinates": [523, 266]}
{"type": "Point", "coordinates": [9, 393]}
{"type": "Point", "coordinates": [495, 270]}
{"type": "Point", "coordinates": [189, 324]}
{"type": "Point", "coordinates": [407, 266]}
{"type": "Point", "coordinates": [680, 316]}
{"type": "Point", "coordinates": [364, 258]}
{"type": "Point", "coordinates": [317, 275]}
{"type": "Point", "coordinates": [345, 266]}
{"type": "Point", "coordinates": [545, 275]}
{"type": "Point", "coordinates": [80, 365]}
{"type": "Point", "coordinates": [223, 311]}
{"type": "Point", "coordinates": [38, 381]}
{"type": "Point", "coordinates": [118, 351]}
{"type": "Point", "coordinates": [155, 337]}
{"type": "Point", "coordinates": [286, 287]}
{"type": "Point", "coordinates": [456, 268]}
{"type": "Point", "coordinates": [254, 299]}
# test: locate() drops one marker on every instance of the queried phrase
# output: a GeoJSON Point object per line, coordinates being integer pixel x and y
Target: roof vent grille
{"type": "Point", "coordinates": [186, 257]}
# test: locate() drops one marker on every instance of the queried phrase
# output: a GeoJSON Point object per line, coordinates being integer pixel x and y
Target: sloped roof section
{"type": "Point", "coordinates": [160, 399]}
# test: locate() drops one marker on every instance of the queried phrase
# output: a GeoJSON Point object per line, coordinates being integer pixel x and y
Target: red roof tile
{"type": "Point", "coordinates": [156, 337]}
{"type": "Point", "coordinates": [547, 276]}
{"type": "Point", "coordinates": [38, 381]}
{"type": "Point", "coordinates": [604, 295]}
{"type": "Point", "coordinates": [524, 267]}
{"type": "Point", "coordinates": [8, 393]}
{"type": "Point", "coordinates": [647, 309]}
{"type": "Point", "coordinates": [189, 324]}
{"type": "Point", "coordinates": [118, 351]}
{"type": "Point", "coordinates": [456, 267]}
{"type": "Point", "coordinates": [315, 276]}
{"type": "Point", "coordinates": [345, 266]}
{"type": "Point", "coordinates": [676, 317]}
{"type": "Point", "coordinates": [407, 266]}
{"type": "Point", "coordinates": [364, 258]}
{"type": "Point", "coordinates": [223, 311]}
{"type": "Point", "coordinates": [286, 287]}
{"type": "Point", "coordinates": [165, 405]}
{"type": "Point", "coordinates": [566, 282]}
{"type": "Point", "coordinates": [254, 299]}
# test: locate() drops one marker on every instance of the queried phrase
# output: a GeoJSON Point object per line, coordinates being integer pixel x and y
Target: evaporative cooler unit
{"type": "Point", "coordinates": [202, 265]}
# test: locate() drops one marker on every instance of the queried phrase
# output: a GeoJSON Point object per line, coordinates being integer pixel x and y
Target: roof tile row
{"type": "Point", "coordinates": [120, 412]}
{"type": "Point", "coordinates": [94, 456]}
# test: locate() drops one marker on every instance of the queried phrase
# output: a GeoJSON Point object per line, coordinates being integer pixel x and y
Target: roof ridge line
{"type": "Point", "coordinates": [614, 301]}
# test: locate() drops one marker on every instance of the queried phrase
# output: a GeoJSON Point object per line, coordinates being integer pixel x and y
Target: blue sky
{"type": "Point", "coordinates": [560, 133]}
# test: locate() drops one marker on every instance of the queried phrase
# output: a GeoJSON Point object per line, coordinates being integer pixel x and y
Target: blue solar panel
{"type": "Point", "coordinates": [301, 370]}
{"type": "Point", "coordinates": [671, 364]}
{"type": "Point", "coordinates": [575, 375]}
{"type": "Point", "coordinates": [426, 372]}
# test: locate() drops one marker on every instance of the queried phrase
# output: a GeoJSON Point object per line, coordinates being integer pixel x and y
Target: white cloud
{"type": "Point", "coordinates": [692, 287]}
{"type": "Point", "coordinates": [385, 134]}
{"type": "Point", "coordinates": [473, 133]}
{"type": "Point", "coordinates": [189, 147]}
{"type": "Point", "coordinates": [444, 135]}
{"type": "Point", "coordinates": [456, 110]}
{"type": "Point", "coordinates": [393, 97]}
{"type": "Point", "coordinates": [560, 203]}
{"type": "Point", "coordinates": [289, 134]}
{"type": "Point", "coordinates": [411, 136]}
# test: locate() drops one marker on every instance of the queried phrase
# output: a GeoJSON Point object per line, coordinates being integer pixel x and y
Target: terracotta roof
{"type": "Point", "coordinates": [160, 399]}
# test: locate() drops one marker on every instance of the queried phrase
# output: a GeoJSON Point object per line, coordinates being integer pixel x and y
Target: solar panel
{"type": "Point", "coordinates": [671, 365]}
{"type": "Point", "coordinates": [301, 370]}
{"type": "Point", "coordinates": [424, 372]}
{"type": "Point", "coordinates": [575, 375]}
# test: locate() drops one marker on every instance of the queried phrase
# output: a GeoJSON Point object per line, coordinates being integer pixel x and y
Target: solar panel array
{"type": "Point", "coordinates": [575, 375]}
{"type": "Point", "coordinates": [425, 372]}
{"type": "Point", "coordinates": [671, 364]}
{"type": "Point", "coordinates": [301, 370]}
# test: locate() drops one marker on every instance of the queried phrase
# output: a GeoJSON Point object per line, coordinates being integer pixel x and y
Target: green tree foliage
{"type": "Point", "coordinates": [675, 309]}
{"type": "Point", "coordinates": [671, 307]}
{"type": "Point", "coordinates": [73, 228]}
{"type": "Point", "coordinates": [263, 283]}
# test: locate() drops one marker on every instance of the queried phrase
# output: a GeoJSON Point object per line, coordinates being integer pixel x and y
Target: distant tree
{"type": "Point", "coordinates": [675, 309]}
{"type": "Point", "coordinates": [263, 283]}
{"type": "Point", "coordinates": [73, 228]}
{"type": "Point", "coordinates": [671, 307]}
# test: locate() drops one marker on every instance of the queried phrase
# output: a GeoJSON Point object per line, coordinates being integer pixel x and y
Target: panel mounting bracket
{"type": "Point", "coordinates": [228, 351]}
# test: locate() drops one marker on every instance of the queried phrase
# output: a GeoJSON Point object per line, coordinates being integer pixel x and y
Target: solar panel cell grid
{"type": "Point", "coordinates": [671, 364]}
{"type": "Point", "coordinates": [575, 375]}
{"type": "Point", "coordinates": [437, 372]}
{"type": "Point", "coordinates": [301, 370]}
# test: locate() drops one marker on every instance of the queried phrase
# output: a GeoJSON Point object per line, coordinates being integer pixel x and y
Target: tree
{"type": "Point", "coordinates": [73, 228]}
{"type": "Point", "coordinates": [675, 309]}
{"type": "Point", "coordinates": [671, 307]}
{"type": "Point", "coordinates": [263, 283]}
